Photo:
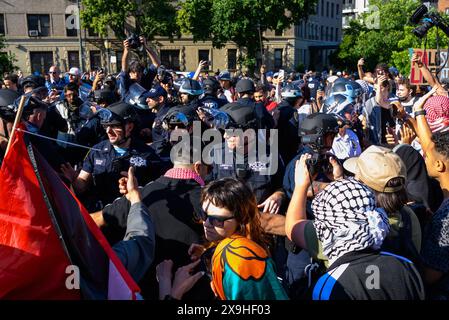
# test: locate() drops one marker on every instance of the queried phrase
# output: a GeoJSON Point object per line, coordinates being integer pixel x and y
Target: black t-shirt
{"type": "Point", "coordinates": [173, 205]}
{"type": "Point", "coordinates": [370, 275]}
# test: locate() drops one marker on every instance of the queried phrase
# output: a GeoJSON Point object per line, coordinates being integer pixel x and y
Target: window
{"type": "Point", "coordinates": [41, 61]}
{"type": "Point", "coordinates": [332, 10]}
{"type": "Point", "coordinates": [74, 59]}
{"type": "Point", "coordinates": [338, 10]}
{"type": "Point", "coordinates": [327, 9]}
{"type": "Point", "coordinates": [232, 59]}
{"type": "Point", "coordinates": [2, 24]}
{"type": "Point", "coordinates": [38, 25]}
{"type": "Point", "coordinates": [332, 34]}
{"type": "Point", "coordinates": [322, 33]}
{"type": "Point", "coordinates": [327, 33]}
{"type": "Point", "coordinates": [203, 55]}
{"type": "Point", "coordinates": [70, 26]}
{"type": "Point", "coordinates": [91, 32]}
{"type": "Point", "coordinates": [95, 59]}
{"type": "Point", "coordinates": [336, 34]}
{"type": "Point", "coordinates": [278, 58]}
{"type": "Point", "coordinates": [170, 59]}
{"type": "Point", "coordinates": [322, 8]}
{"type": "Point", "coordinates": [447, 10]}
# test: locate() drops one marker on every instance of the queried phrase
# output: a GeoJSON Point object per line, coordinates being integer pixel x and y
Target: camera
{"type": "Point", "coordinates": [134, 41]}
{"type": "Point", "coordinates": [319, 163]}
{"type": "Point", "coordinates": [428, 20]}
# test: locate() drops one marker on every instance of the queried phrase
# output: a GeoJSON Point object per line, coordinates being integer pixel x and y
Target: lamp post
{"type": "Point", "coordinates": [107, 46]}
{"type": "Point", "coordinates": [80, 39]}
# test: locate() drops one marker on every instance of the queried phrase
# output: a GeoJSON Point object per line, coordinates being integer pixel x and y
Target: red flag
{"type": "Point", "coordinates": [44, 229]}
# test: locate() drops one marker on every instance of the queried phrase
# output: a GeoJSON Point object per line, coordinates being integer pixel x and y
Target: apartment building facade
{"type": "Point", "coordinates": [42, 33]}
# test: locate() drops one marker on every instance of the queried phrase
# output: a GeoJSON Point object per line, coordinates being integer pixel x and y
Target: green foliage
{"type": "Point", "coordinates": [6, 60]}
{"type": "Point", "coordinates": [153, 17]}
{"type": "Point", "coordinates": [240, 21]}
{"type": "Point", "coordinates": [389, 43]}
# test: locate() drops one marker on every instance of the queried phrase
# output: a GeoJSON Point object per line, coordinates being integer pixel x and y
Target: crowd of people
{"type": "Point", "coordinates": [356, 208]}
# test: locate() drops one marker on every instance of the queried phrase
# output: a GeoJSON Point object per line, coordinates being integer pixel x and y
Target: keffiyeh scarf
{"type": "Point", "coordinates": [347, 220]}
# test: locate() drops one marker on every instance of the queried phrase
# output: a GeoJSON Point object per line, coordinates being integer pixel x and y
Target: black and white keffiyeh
{"type": "Point", "coordinates": [347, 220]}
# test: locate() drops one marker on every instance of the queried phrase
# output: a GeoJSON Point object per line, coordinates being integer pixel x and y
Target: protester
{"type": "Point", "coordinates": [174, 203]}
{"type": "Point", "coordinates": [351, 230]}
{"type": "Point", "coordinates": [435, 244]}
{"type": "Point", "coordinates": [241, 266]}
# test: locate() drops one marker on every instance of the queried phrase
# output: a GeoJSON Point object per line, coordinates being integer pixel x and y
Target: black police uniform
{"type": "Point", "coordinates": [210, 101]}
{"type": "Point", "coordinates": [106, 165]}
{"type": "Point", "coordinates": [263, 185]}
{"type": "Point", "coordinates": [159, 135]}
{"type": "Point", "coordinates": [265, 119]}
{"type": "Point", "coordinates": [288, 131]}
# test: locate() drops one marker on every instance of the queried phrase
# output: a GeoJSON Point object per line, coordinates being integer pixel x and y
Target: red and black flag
{"type": "Point", "coordinates": [46, 233]}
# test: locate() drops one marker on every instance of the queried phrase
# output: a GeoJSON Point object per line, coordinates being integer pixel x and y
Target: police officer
{"type": "Point", "coordinates": [33, 117]}
{"type": "Point", "coordinates": [103, 165]}
{"type": "Point", "coordinates": [210, 100]}
{"type": "Point", "coordinates": [245, 89]}
{"type": "Point", "coordinates": [157, 102]}
{"type": "Point", "coordinates": [292, 99]}
{"type": "Point", "coordinates": [189, 93]}
{"type": "Point", "coordinates": [238, 157]}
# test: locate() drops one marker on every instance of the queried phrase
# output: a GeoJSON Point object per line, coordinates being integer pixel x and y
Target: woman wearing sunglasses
{"type": "Point", "coordinates": [241, 267]}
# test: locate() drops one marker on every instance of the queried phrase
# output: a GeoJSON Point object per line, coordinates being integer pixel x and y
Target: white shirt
{"type": "Point", "coordinates": [346, 146]}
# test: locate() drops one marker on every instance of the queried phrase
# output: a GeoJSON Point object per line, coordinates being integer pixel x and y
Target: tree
{"type": "Point", "coordinates": [152, 17]}
{"type": "Point", "coordinates": [382, 41]}
{"type": "Point", "coordinates": [240, 21]}
{"type": "Point", "coordinates": [6, 60]}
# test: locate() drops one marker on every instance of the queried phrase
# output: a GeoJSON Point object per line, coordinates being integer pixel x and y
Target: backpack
{"type": "Point", "coordinates": [400, 241]}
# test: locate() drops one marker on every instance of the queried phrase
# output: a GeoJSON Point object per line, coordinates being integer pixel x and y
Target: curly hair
{"type": "Point", "coordinates": [235, 196]}
{"type": "Point", "coordinates": [441, 141]}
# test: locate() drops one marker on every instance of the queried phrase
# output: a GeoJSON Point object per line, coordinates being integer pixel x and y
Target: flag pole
{"type": "Point", "coordinates": [16, 122]}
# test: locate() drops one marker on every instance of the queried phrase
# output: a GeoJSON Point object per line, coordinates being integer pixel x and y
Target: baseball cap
{"type": "Point", "coordinates": [155, 92]}
{"type": "Point", "coordinates": [74, 71]}
{"type": "Point", "coordinates": [376, 166]}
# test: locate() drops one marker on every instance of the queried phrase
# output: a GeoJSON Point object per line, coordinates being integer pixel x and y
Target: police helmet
{"type": "Point", "coordinates": [245, 86]}
{"type": "Point", "coordinates": [7, 108]}
{"type": "Point", "coordinates": [344, 88]}
{"type": "Point", "coordinates": [338, 104]}
{"type": "Point", "coordinates": [117, 113]}
{"type": "Point", "coordinates": [191, 87]}
{"type": "Point", "coordinates": [315, 126]}
{"type": "Point", "coordinates": [291, 92]}
{"type": "Point", "coordinates": [211, 85]}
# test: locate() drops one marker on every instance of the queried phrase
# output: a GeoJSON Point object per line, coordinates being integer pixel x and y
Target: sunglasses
{"type": "Point", "coordinates": [216, 221]}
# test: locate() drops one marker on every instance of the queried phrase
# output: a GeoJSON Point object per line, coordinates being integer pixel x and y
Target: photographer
{"type": "Point", "coordinates": [317, 133]}
{"type": "Point", "coordinates": [135, 72]}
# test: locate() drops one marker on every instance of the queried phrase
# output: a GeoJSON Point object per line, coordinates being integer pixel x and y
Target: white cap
{"type": "Point", "coordinates": [75, 71]}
